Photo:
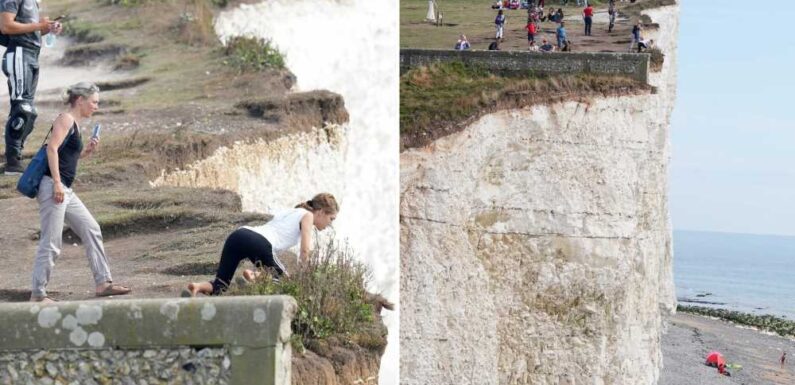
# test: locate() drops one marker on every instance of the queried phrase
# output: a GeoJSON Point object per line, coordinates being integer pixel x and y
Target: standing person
{"type": "Point", "coordinates": [58, 204]}
{"type": "Point", "coordinates": [611, 11]}
{"type": "Point", "coordinates": [561, 34]}
{"type": "Point", "coordinates": [559, 16]}
{"type": "Point", "coordinates": [783, 358]}
{"type": "Point", "coordinates": [261, 244]}
{"type": "Point", "coordinates": [636, 31]}
{"type": "Point", "coordinates": [22, 27]}
{"type": "Point", "coordinates": [499, 22]}
{"type": "Point", "coordinates": [587, 16]}
{"type": "Point", "coordinates": [531, 32]}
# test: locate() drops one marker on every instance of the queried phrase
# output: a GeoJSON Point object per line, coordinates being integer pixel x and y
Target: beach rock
{"type": "Point", "coordinates": [536, 243]}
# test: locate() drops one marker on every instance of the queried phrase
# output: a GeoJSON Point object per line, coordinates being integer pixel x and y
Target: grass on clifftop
{"type": "Point", "coordinates": [332, 298]}
{"type": "Point", "coordinates": [780, 326]}
{"type": "Point", "coordinates": [253, 54]}
{"type": "Point", "coordinates": [438, 100]}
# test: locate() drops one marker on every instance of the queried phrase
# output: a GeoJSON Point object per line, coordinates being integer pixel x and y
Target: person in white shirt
{"type": "Point", "coordinates": [262, 244]}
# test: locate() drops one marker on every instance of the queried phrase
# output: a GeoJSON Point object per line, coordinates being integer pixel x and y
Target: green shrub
{"type": "Point", "coordinates": [781, 326]}
{"type": "Point", "coordinates": [656, 60]}
{"type": "Point", "coordinates": [253, 54]}
{"type": "Point", "coordinates": [330, 291]}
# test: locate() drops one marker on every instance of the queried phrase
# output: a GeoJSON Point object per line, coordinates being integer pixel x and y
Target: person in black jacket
{"type": "Point", "coordinates": [22, 29]}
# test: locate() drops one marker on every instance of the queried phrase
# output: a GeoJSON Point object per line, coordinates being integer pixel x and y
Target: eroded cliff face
{"type": "Point", "coordinates": [271, 175]}
{"type": "Point", "coordinates": [536, 243]}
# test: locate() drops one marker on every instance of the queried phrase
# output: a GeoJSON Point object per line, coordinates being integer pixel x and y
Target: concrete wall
{"type": "Point", "coordinates": [626, 64]}
{"type": "Point", "coordinates": [231, 340]}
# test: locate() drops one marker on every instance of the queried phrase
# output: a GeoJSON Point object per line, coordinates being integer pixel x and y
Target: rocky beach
{"type": "Point", "coordinates": [689, 338]}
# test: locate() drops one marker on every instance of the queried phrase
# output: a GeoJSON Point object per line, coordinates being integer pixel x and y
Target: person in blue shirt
{"type": "Point", "coordinates": [561, 35]}
{"type": "Point", "coordinates": [499, 22]}
{"type": "Point", "coordinates": [636, 32]}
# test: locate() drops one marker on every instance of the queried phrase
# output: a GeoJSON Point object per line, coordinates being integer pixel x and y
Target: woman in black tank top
{"type": "Point", "coordinates": [58, 204]}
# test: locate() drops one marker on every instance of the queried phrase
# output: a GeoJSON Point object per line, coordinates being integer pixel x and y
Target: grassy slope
{"type": "Point", "coordinates": [439, 100]}
{"type": "Point", "coordinates": [476, 20]}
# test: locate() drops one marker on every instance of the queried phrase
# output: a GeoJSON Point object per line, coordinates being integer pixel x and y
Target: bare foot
{"type": "Point", "coordinates": [108, 289]}
{"type": "Point", "coordinates": [200, 287]}
{"type": "Point", "coordinates": [251, 275]}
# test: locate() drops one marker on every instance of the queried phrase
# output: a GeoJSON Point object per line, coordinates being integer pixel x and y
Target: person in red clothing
{"type": "Point", "coordinates": [587, 15]}
{"type": "Point", "coordinates": [531, 32]}
{"type": "Point", "coordinates": [716, 360]}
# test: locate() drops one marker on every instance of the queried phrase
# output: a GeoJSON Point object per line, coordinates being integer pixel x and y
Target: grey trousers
{"type": "Point", "coordinates": [74, 213]}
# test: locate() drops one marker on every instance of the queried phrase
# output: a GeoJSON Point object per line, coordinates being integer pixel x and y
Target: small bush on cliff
{"type": "Point", "coordinates": [253, 54]}
{"type": "Point", "coordinates": [656, 60]}
{"type": "Point", "coordinates": [330, 291]}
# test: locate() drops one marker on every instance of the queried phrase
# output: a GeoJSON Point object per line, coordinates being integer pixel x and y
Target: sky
{"type": "Point", "coordinates": [733, 127]}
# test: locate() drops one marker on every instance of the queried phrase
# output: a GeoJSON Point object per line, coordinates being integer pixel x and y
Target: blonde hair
{"type": "Point", "coordinates": [322, 201]}
{"type": "Point", "coordinates": [75, 91]}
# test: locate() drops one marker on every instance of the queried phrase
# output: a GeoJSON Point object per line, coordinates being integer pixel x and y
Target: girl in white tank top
{"type": "Point", "coordinates": [262, 244]}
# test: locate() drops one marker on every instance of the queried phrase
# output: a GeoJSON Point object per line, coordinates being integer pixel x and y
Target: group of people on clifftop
{"type": "Point", "coordinates": [536, 15]}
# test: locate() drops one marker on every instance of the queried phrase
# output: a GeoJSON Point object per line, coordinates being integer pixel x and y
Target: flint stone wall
{"type": "Point", "coordinates": [232, 340]}
{"type": "Point", "coordinates": [553, 63]}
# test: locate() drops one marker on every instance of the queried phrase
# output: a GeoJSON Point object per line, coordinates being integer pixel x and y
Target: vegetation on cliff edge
{"type": "Point", "coordinates": [331, 295]}
{"type": "Point", "coordinates": [440, 99]}
{"type": "Point", "coordinates": [780, 326]}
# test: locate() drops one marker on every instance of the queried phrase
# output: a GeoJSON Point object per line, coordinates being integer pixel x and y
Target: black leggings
{"type": "Point", "coordinates": [241, 244]}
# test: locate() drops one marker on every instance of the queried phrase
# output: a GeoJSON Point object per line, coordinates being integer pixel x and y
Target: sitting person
{"type": "Point", "coordinates": [550, 16]}
{"type": "Point", "coordinates": [494, 46]}
{"type": "Point", "coordinates": [546, 47]}
{"type": "Point", "coordinates": [262, 244]}
{"type": "Point", "coordinates": [462, 44]}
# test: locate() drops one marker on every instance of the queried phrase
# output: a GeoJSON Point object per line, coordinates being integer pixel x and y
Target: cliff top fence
{"type": "Point", "coordinates": [230, 340]}
{"type": "Point", "coordinates": [632, 65]}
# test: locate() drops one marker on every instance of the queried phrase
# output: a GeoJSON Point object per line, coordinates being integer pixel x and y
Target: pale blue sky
{"type": "Point", "coordinates": [733, 130]}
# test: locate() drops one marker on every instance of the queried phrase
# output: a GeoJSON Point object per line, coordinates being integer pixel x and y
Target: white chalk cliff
{"type": "Point", "coordinates": [272, 175]}
{"type": "Point", "coordinates": [536, 243]}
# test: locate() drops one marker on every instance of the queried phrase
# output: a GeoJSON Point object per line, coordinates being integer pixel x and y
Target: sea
{"type": "Point", "coordinates": [751, 273]}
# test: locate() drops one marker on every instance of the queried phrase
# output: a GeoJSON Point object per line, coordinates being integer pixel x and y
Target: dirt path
{"type": "Point", "coordinates": [690, 338]}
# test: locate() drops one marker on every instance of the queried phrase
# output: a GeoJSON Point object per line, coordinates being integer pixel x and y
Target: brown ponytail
{"type": "Point", "coordinates": [322, 201]}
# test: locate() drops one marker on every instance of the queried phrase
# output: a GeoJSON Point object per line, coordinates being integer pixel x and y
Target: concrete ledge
{"type": "Point", "coordinates": [254, 329]}
{"type": "Point", "coordinates": [555, 63]}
